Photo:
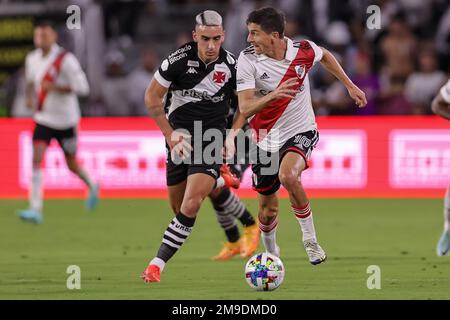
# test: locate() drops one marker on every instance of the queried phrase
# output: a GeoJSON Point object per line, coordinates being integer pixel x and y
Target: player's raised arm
{"type": "Point", "coordinates": [332, 65]}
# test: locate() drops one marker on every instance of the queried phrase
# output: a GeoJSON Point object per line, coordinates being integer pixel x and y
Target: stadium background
{"type": "Point", "coordinates": [394, 148]}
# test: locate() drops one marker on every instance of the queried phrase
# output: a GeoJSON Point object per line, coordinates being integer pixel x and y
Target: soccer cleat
{"type": "Point", "coordinates": [314, 251]}
{"type": "Point", "coordinates": [231, 180]}
{"type": "Point", "coordinates": [250, 240]}
{"type": "Point", "coordinates": [443, 245]}
{"type": "Point", "coordinates": [31, 215]}
{"type": "Point", "coordinates": [229, 250]}
{"type": "Point", "coordinates": [92, 199]}
{"type": "Point", "coordinates": [151, 274]}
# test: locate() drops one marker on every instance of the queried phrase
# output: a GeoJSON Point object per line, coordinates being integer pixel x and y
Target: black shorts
{"type": "Point", "coordinates": [268, 183]}
{"type": "Point", "coordinates": [178, 172]}
{"type": "Point", "coordinates": [67, 138]}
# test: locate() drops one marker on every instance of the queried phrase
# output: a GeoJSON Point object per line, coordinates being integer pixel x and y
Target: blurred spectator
{"type": "Point", "coordinates": [368, 82]}
{"type": "Point", "coordinates": [392, 100]}
{"type": "Point", "coordinates": [115, 87]}
{"type": "Point", "coordinates": [139, 79]}
{"type": "Point", "coordinates": [423, 85]}
{"type": "Point", "coordinates": [399, 47]}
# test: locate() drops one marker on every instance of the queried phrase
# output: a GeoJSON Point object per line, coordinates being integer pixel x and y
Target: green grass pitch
{"type": "Point", "coordinates": [113, 245]}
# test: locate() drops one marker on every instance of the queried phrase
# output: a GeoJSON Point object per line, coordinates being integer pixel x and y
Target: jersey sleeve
{"type": "Point", "coordinates": [318, 52]}
{"type": "Point", "coordinates": [445, 92]}
{"type": "Point", "coordinates": [245, 75]}
{"type": "Point", "coordinates": [29, 78]}
{"type": "Point", "coordinates": [75, 74]}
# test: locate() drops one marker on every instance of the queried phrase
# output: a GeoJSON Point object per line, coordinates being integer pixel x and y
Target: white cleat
{"type": "Point", "coordinates": [314, 251]}
{"type": "Point", "coordinates": [443, 246]}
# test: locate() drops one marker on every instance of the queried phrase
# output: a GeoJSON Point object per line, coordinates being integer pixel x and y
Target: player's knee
{"type": "Point", "coordinates": [268, 211]}
{"type": "Point", "coordinates": [289, 179]}
{"type": "Point", "coordinates": [191, 206]}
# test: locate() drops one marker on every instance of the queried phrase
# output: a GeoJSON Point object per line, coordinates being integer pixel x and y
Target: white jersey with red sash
{"type": "Point", "coordinates": [283, 118]}
{"type": "Point", "coordinates": [54, 109]}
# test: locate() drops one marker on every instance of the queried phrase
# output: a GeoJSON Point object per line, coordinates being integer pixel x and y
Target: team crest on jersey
{"type": "Point", "coordinates": [300, 71]}
{"type": "Point", "coordinates": [219, 77]}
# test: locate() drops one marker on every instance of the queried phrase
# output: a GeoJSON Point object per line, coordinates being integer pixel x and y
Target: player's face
{"type": "Point", "coordinates": [44, 37]}
{"type": "Point", "coordinates": [209, 40]}
{"type": "Point", "coordinates": [262, 41]}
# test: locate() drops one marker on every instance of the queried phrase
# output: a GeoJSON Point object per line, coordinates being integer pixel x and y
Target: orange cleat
{"type": "Point", "coordinates": [151, 274]}
{"type": "Point", "coordinates": [230, 179]}
{"type": "Point", "coordinates": [250, 240]}
{"type": "Point", "coordinates": [229, 250]}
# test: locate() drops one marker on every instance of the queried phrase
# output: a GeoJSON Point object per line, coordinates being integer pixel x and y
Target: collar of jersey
{"type": "Point", "coordinates": [290, 52]}
{"type": "Point", "coordinates": [55, 48]}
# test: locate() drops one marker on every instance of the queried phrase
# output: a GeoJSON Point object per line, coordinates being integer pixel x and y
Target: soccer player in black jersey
{"type": "Point", "coordinates": [200, 82]}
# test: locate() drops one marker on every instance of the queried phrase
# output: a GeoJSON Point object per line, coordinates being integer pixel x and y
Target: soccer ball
{"type": "Point", "coordinates": [264, 272]}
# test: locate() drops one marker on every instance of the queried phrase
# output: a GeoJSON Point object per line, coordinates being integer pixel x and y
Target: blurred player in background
{"type": "Point", "coordinates": [200, 82]}
{"type": "Point", "coordinates": [54, 80]}
{"type": "Point", "coordinates": [441, 107]}
{"type": "Point", "coordinates": [274, 94]}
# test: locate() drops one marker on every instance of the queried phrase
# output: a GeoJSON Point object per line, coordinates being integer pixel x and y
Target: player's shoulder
{"type": "Point", "coordinates": [229, 57]}
{"type": "Point", "coordinates": [182, 53]}
{"type": "Point", "coordinates": [248, 54]}
{"type": "Point", "coordinates": [33, 55]}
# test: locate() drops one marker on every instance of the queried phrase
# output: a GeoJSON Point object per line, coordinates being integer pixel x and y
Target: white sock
{"type": "Point", "coordinates": [159, 262]}
{"type": "Point", "coordinates": [305, 218]}
{"type": "Point", "coordinates": [269, 235]}
{"type": "Point", "coordinates": [220, 182]}
{"type": "Point", "coordinates": [35, 192]}
{"type": "Point", "coordinates": [84, 176]}
{"type": "Point", "coordinates": [447, 211]}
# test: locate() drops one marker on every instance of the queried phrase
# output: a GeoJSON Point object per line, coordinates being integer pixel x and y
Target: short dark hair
{"type": "Point", "coordinates": [45, 23]}
{"type": "Point", "coordinates": [270, 20]}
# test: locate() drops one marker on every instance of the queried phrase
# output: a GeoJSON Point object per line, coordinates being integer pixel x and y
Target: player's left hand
{"type": "Point", "coordinates": [229, 149]}
{"type": "Point", "coordinates": [358, 96]}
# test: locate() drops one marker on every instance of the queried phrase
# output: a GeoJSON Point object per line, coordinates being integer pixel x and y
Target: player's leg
{"type": "Point", "coordinates": [443, 246]}
{"type": "Point", "coordinates": [67, 139]}
{"type": "Point", "coordinates": [291, 168]}
{"type": "Point", "coordinates": [268, 221]}
{"type": "Point", "coordinates": [227, 221]}
{"type": "Point", "coordinates": [176, 195]}
{"type": "Point", "coordinates": [198, 186]}
{"type": "Point", "coordinates": [41, 139]}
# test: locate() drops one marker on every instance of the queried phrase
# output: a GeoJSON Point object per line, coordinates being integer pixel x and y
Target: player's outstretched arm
{"type": "Point", "coordinates": [332, 65]}
{"type": "Point", "coordinates": [249, 105]}
{"type": "Point", "coordinates": [440, 107]}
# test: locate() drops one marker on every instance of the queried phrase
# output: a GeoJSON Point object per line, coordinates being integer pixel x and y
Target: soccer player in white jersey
{"type": "Point", "coordinates": [274, 95]}
{"type": "Point", "coordinates": [441, 107]}
{"type": "Point", "coordinates": [54, 80]}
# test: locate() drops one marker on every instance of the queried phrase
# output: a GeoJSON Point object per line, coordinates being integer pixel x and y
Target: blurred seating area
{"type": "Point", "coordinates": [400, 66]}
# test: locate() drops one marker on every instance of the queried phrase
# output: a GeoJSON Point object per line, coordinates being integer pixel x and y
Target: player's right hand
{"type": "Point", "coordinates": [179, 144]}
{"type": "Point", "coordinates": [287, 89]}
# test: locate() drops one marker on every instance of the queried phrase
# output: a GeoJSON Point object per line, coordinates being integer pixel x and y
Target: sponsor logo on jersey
{"type": "Point", "coordinates": [264, 76]}
{"type": "Point", "coordinates": [202, 95]}
{"type": "Point", "coordinates": [192, 63]}
{"type": "Point", "coordinates": [191, 70]}
{"type": "Point", "coordinates": [176, 58]}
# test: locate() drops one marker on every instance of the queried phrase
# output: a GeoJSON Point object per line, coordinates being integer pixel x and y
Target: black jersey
{"type": "Point", "coordinates": [198, 91]}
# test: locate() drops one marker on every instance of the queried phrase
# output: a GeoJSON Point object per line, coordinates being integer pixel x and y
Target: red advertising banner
{"type": "Point", "coordinates": [401, 156]}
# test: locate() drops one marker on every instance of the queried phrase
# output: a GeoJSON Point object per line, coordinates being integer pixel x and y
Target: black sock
{"type": "Point", "coordinates": [176, 233]}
